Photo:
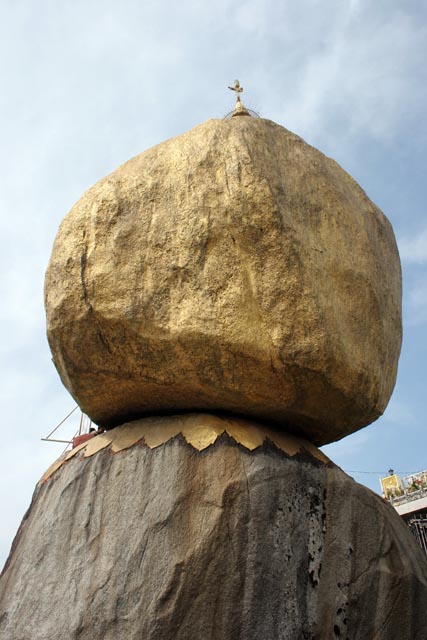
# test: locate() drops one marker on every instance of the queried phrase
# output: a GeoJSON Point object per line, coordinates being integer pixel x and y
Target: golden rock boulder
{"type": "Point", "coordinates": [234, 268]}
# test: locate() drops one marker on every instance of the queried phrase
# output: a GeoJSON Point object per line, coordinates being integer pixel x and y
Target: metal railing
{"type": "Point", "coordinates": [408, 496]}
{"type": "Point", "coordinates": [418, 527]}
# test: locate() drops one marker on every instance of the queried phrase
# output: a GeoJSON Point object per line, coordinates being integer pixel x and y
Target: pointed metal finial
{"type": "Point", "coordinates": [237, 88]}
{"type": "Point", "coordinates": [239, 109]}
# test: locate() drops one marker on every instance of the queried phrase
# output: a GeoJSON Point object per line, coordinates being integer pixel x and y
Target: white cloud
{"type": "Point", "coordinates": [351, 71]}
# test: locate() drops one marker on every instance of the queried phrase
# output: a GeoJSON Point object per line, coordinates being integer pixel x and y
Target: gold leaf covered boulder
{"type": "Point", "coordinates": [232, 268]}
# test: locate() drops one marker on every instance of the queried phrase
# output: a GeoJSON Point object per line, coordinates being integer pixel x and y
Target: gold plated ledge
{"type": "Point", "coordinates": [199, 430]}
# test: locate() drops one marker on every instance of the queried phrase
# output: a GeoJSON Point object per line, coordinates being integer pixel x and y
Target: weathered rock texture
{"type": "Point", "coordinates": [173, 543]}
{"type": "Point", "coordinates": [232, 268]}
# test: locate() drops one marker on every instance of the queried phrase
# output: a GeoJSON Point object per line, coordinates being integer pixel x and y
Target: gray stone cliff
{"type": "Point", "coordinates": [173, 543]}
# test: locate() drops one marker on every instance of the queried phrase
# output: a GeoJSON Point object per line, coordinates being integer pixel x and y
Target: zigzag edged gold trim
{"type": "Point", "coordinates": [199, 430]}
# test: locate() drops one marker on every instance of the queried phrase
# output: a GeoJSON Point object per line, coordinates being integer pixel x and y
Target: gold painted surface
{"type": "Point", "coordinates": [155, 434]}
{"type": "Point", "coordinates": [350, 317]}
{"type": "Point", "coordinates": [202, 436]}
{"type": "Point", "coordinates": [98, 443]}
{"type": "Point", "coordinates": [51, 470]}
{"type": "Point", "coordinates": [73, 452]}
{"type": "Point", "coordinates": [311, 448]}
{"type": "Point", "coordinates": [199, 430]}
{"type": "Point", "coordinates": [245, 433]}
{"type": "Point", "coordinates": [285, 442]}
{"type": "Point", "coordinates": [128, 436]}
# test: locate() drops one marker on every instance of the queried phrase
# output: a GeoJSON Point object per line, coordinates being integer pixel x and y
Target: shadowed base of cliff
{"type": "Point", "coordinates": [207, 528]}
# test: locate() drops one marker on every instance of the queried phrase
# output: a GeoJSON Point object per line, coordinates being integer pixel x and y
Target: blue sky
{"type": "Point", "coordinates": [87, 85]}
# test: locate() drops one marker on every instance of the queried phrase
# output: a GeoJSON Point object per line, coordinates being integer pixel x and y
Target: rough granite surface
{"type": "Point", "coordinates": [224, 544]}
{"type": "Point", "coordinates": [233, 268]}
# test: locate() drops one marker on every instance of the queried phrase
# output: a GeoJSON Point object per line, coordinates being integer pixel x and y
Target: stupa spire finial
{"type": "Point", "coordinates": [239, 109]}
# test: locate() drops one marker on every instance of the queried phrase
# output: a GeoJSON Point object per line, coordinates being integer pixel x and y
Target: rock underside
{"type": "Point", "coordinates": [173, 543]}
{"type": "Point", "coordinates": [233, 268]}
